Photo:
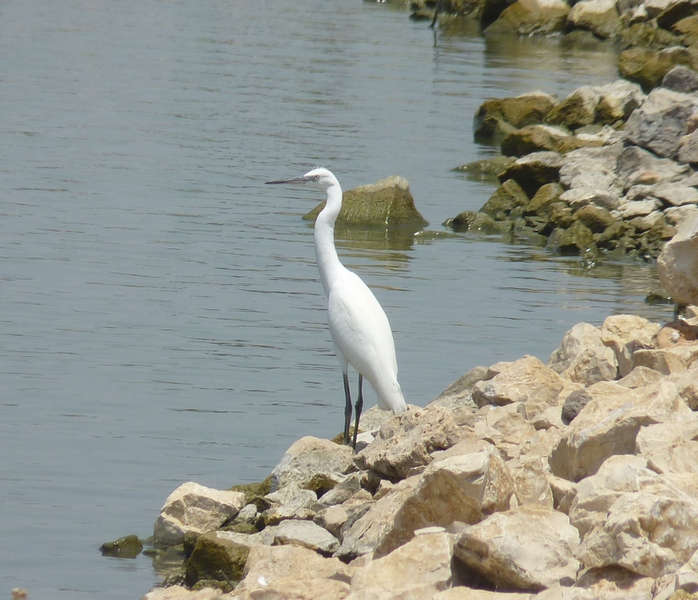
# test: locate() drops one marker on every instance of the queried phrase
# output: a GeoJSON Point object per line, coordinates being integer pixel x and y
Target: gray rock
{"type": "Point", "coordinates": [681, 79]}
{"type": "Point", "coordinates": [677, 265]}
{"type": "Point", "coordinates": [306, 534]}
{"type": "Point", "coordinates": [573, 404]}
{"type": "Point", "coordinates": [660, 123]}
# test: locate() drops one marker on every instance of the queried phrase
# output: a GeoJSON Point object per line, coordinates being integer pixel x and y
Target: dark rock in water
{"type": "Point", "coordinates": [475, 222]}
{"type": "Point", "coordinates": [596, 218]}
{"type": "Point", "coordinates": [575, 402]}
{"type": "Point", "coordinates": [505, 199]}
{"type": "Point", "coordinates": [385, 203]}
{"type": "Point", "coordinates": [128, 546]}
{"type": "Point", "coordinates": [576, 240]}
{"type": "Point", "coordinates": [534, 170]}
{"type": "Point", "coordinates": [486, 169]}
{"type": "Point", "coordinates": [535, 138]}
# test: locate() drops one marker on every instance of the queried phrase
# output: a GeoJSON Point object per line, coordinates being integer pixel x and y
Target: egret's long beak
{"type": "Point", "coordinates": [302, 179]}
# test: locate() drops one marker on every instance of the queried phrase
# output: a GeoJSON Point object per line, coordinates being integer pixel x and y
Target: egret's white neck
{"type": "Point", "coordinates": [325, 253]}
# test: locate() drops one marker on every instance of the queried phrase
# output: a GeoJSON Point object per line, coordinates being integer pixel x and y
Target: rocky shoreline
{"type": "Point", "coordinates": [574, 479]}
{"type": "Point", "coordinates": [606, 172]}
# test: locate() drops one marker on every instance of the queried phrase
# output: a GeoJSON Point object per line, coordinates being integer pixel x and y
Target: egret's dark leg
{"type": "Point", "coordinates": [347, 409]}
{"type": "Point", "coordinates": [359, 406]}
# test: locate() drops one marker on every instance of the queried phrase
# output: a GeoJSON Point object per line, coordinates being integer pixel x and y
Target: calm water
{"type": "Point", "coordinates": [160, 314]}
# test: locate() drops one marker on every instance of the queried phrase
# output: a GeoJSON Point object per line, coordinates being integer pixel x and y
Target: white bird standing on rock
{"type": "Point", "coordinates": [358, 324]}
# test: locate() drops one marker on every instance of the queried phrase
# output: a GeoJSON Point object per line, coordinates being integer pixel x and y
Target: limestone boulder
{"type": "Point", "coordinates": [687, 386]}
{"type": "Point", "coordinates": [306, 534]}
{"type": "Point", "coordinates": [461, 487]}
{"type": "Point", "coordinates": [467, 593]}
{"type": "Point", "coordinates": [525, 380]}
{"type": "Point", "coordinates": [289, 502]}
{"type": "Point", "coordinates": [386, 202]}
{"type": "Point", "coordinates": [292, 572]}
{"type": "Point", "coordinates": [583, 357]}
{"type": "Point", "coordinates": [672, 360]}
{"type": "Point", "coordinates": [505, 427]}
{"type": "Point", "coordinates": [419, 569]}
{"type": "Point", "coordinates": [528, 548]}
{"type": "Point", "coordinates": [677, 264]}
{"type": "Point", "coordinates": [314, 464]}
{"type": "Point", "coordinates": [609, 424]}
{"type": "Point", "coordinates": [660, 123]}
{"type": "Point", "coordinates": [625, 334]}
{"type": "Point", "coordinates": [670, 447]}
{"type": "Point", "coordinates": [598, 16]}
{"type": "Point", "coordinates": [617, 101]}
{"type": "Point", "coordinates": [407, 441]}
{"type": "Point", "coordinates": [531, 485]}
{"type": "Point", "coordinates": [194, 508]}
{"type": "Point", "coordinates": [651, 533]}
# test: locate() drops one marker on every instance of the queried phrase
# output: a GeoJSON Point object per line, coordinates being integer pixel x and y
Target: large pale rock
{"type": "Point", "coordinates": [314, 464]}
{"type": "Point", "coordinates": [408, 440]}
{"type": "Point", "coordinates": [687, 386]}
{"type": "Point", "coordinates": [618, 100]}
{"type": "Point", "coordinates": [583, 357]}
{"type": "Point", "coordinates": [292, 572]}
{"type": "Point", "coordinates": [598, 16]}
{"type": "Point", "coordinates": [194, 508]}
{"type": "Point", "coordinates": [453, 488]}
{"type": "Point", "coordinates": [414, 571]}
{"type": "Point", "coordinates": [625, 334]}
{"type": "Point", "coordinates": [670, 447]}
{"type": "Point", "coordinates": [672, 360]}
{"type": "Point", "coordinates": [525, 380]}
{"type": "Point", "coordinates": [594, 169]}
{"type": "Point", "coordinates": [529, 548]}
{"type": "Point", "coordinates": [609, 424]}
{"type": "Point", "coordinates": [531, 484]}
{"type": "Point", "coordinates": [649, 533]}
{"type": "Point", "coordinates": [677, 264]}
{"type": "Point", "coordinates": [595, 495]}
{"type": "Point", "coordinates": [506, 427]}
{"type": "Point", "coordinates": [386, 202]}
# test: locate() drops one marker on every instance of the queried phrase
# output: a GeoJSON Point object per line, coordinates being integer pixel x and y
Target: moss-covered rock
{"type": "Point", "coordinates": [128, 546]}
{"type": "Point", "coordinates": [536, 138]}
{"type": "Point", "coordinates": [531, 17]}
{"type": "Point", "coordinates": [534, 170]}
{"type": "Point", "coordinates": [596, 218]}
{"type": "Point", "coordinates": [497, 118]}
{"type": "Point", "coordinates": [648, 67]}
{"type": "Point", "coordinates": [486, 169]}
{"type": "Point", "coordinates": [217, 558]}
{"type": "Point", "coordinates": [385, 203]}
{"type": "Point", "coordinates": [576, 240]}
{"type": "Point", "coordinates": [476, 222]}
{"type": "Point", "coordinates": [505, 199]}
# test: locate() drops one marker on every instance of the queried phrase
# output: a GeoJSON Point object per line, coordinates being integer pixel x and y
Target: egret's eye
{"type": "Point", "coordinates": [316, 178]}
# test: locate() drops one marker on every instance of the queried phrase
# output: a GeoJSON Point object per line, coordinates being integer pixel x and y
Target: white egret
{"type": "Point", "coordinates": [358, 324]}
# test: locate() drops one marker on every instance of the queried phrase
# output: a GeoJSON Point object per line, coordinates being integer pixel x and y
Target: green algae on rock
{"type": "Point", "coordinates": [385, 203]}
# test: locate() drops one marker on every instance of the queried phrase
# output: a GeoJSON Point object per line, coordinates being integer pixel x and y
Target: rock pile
{"type": "Point", "coordinates": [607, 169]}
{"type": "Point", "coordinates": [575, 480]}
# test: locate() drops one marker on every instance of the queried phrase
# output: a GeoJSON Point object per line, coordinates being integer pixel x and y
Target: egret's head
{"type": "Point", "coordinates": [320, 178]}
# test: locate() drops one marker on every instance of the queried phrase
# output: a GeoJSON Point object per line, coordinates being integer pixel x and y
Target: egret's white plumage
{"type": "Point", "coordinates": [359, 327]}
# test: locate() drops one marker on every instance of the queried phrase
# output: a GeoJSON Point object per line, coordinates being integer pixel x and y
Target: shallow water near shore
{"type": "Point", "coordinates": [160, 314]}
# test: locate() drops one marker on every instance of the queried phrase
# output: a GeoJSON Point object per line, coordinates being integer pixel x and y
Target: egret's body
{"type": "Point", "coordinates": [358, 324]}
